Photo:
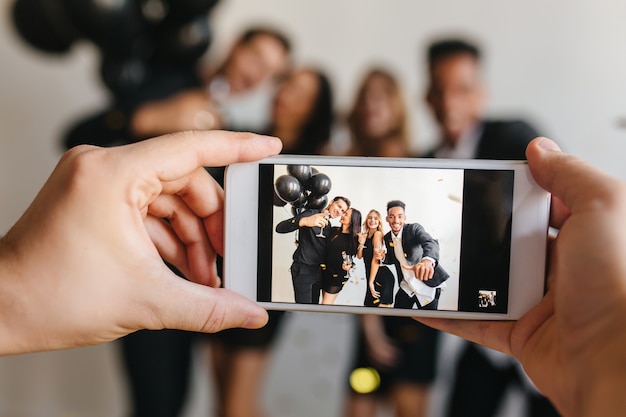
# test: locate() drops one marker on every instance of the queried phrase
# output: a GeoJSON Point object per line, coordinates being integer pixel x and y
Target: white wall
{"type": "Point", "coordinates": [560, 63]}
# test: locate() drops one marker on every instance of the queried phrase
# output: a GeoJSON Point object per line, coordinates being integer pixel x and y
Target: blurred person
{"type": "Point", "coordinates": [378, 119]}
{"type": "Point", "coordinates": [302, 116]}
{"type": "Point", "coordinates": [302, 112]}
{"type": "Point", "coordinates": [194, 99]}
{"type": "Point", "coordinates": [341, 248]}
{"type": "Point", "coordinates": [158, 363]}
{"type": "Point", "coordinates": [392, 350]}
{"type": "Point", "coordinates": [457, 97]}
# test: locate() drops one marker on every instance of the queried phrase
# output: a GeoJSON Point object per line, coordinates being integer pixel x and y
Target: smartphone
{"type": "Point", "coordinates": [473, 235]}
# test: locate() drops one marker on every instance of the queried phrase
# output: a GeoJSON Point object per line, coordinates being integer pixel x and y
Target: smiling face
{"type": "Point", "coordinates": [337, 208]}
{"type": "Point", "coordinates": [346, 218]}
{"type": "Point", "coordinates": [373, 220]}
{"type": "Point", "coordinates": [396, 219]}
{"type": "Point", "coordinates": [255, 61]}
{"type": "Point", "coordinates": [295, 100]}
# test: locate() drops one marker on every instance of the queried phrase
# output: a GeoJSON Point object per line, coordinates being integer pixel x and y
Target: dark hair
{"type": "Point", "coordinates": [353, 231]}
{"type": "Point", "coordinates": [253, 32]}
{"type": "Point", "coordinates": [345, 200]}
{"type": "Point", "coordinates": [449, 47]}
{"type": "Point", "coordinates": [316, 131]}
{"type": "Point", "coordinates": [396, 203]}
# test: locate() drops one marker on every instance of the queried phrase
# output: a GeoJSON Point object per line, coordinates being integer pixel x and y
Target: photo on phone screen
{"type": "Point", "coordinates": [453, 226]}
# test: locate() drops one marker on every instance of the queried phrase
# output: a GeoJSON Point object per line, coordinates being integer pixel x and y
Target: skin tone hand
{"type": "Point", "coordinates": [380, 348]}
{"type": "Point", "coordinates": [314, 220]}
{"type": "Point", "coordinates": [572, 343]}
{"type": "Point", "coordinates": [186, 110]}
{"type": "Point", "coordinates": [84, 263]}
{"type": "Point", "coordinates": [424, 269]}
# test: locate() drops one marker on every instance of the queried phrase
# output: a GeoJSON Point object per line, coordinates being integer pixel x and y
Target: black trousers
{"type": "Point", "coordinates": [404, 301]}
{"type": "Point", "coordinates": [479, 388]}
{"type": "Point", "coordinates": [307, 283]}
{"type": "Point", "coordinates": [157, 364]}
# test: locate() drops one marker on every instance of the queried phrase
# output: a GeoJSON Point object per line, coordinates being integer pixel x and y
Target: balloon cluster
{"type": "Point", "coordinates": [304, 187]}
{"type": "Point", "coordinates": [132, 35]}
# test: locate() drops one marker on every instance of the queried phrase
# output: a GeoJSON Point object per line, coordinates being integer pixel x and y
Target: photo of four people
{"type": "Point", "coordinates": [348, 253]}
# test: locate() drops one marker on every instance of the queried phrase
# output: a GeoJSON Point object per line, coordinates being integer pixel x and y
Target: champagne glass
{"type": "Point", "coordinates": [381, 250]}
{"type": "Point", "coordinates": [346, 264]}
{"type": "Point", "coordinates": [321, 233]}
{"type": "Point", "coordinates": [364, 234]}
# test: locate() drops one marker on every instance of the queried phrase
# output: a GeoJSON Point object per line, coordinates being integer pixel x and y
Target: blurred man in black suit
{"type": "Point", "coordinates": [457, 97]}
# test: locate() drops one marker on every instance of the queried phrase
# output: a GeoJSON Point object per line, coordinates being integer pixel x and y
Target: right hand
{"type": "Point", "coordinates": [572, 343]}
{"type": "Point", "coordinates": [314, 220]}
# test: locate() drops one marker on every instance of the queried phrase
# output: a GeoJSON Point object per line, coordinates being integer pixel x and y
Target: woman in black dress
{"type": "Point", "coordinates": [370, 238]}
{"type": "Point", "coordinates": [340, 251]}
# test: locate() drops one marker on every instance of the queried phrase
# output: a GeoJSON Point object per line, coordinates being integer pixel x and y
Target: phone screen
{"type": "Point", "coordinates": [457, 221]}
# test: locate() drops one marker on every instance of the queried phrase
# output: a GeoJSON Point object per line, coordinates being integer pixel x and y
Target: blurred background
{"type": "Point", "coordinates": [559, 65]}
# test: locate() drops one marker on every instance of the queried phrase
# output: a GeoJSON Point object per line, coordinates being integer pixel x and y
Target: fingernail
{"type": "Point", "coordinates": [255, 322]}
{"type": "Point", "coordinates": [548, 145]}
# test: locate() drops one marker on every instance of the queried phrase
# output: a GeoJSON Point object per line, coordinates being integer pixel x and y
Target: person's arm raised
{"type": "Point", "coordinates": [84, 264]}
{"type": "Point", "coordinates": [573, 343]}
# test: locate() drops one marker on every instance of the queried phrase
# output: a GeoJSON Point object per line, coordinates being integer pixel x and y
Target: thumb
{"type": "Point", "coordinates": [571, 179]}
{"type": "Point", "coordinates": [408, 267]}
{"type": "Point", "coordinates": [196, 307]}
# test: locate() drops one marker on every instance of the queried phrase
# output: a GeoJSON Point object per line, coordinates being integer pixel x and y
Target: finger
{"type": "Point", "coordinates": [565, 176]}
{"type": "Point", "coordinates": [167, 244]}
{"type": "Point", "coordinates": [558, 212]}
{"type": "Point", "coordinates": [173, 156]}
{"type": "Point", "coordinates": [493, 334]}
{"type": "Point", "coordinates": [189, 306]}
{"type": "Point", "coordinates": [189, 229]}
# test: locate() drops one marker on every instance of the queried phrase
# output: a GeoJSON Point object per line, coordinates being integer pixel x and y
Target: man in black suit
{"type": "Point", "coordinates": [415, 255]}
{"type": "Point", "coordinates": [312, 224]}
{"type": "Point", "coordinates": [457, 95]}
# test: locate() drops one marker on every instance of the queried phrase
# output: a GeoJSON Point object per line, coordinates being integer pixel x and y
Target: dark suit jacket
{"type": "Point", "coordinates": [506, 139]}
{"type": "Point", "coordinates": [416, 243]}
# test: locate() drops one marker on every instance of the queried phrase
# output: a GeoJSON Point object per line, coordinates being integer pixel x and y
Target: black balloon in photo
{"type": "Point", "coordinates": [319, 184]}
{"type": "Point", "coordinates": [301, 201]}
{"type": "Point", "coordinates": [317, 202]}
{"type": "Point", "coordinates": [288, 188]}
{"type": "Point", "coordinates": [278, 202]}
{"type": "Point", "coordinates": [301, 172]}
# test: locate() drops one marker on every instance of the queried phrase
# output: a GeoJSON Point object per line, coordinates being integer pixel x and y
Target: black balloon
{"type": "Point", "coordinates": [183, 43]}
{"type": "Point", "coordinates": [301, 172]}
{"type": "Point", "coordinates": [317, 202]}
{"type": "Point", "coordinates": [278, 202]}
{"type": "Point", "coordinates": [319, 184]}
{"type": "Point", "coordinates": [301, 201]}
{"type": "Point", "coordinates": [185, 9]}
{"type": "Point", "coordinates": [115, 26]}
{"type": "Point", "coordinates": [44, 24]}
{"type": "Point", "coordinates": [123, 75]}
{"type": "Point", "coordinates": [288, 188]}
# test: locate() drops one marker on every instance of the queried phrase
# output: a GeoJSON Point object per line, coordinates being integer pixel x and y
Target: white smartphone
{"type": "Point", "coordinates": [454, 238]}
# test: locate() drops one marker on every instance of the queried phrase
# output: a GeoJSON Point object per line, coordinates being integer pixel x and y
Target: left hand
{"type": "Point", "coordinates": [423, 270]}
{"type": "Point", "coordinates": [84, 264]}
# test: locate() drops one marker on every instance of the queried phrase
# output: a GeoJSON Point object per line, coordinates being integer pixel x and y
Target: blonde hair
{"type": "Point", "coordinates": [361, 139]}
{"type": "Point", "coordinates": [380, 220]}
